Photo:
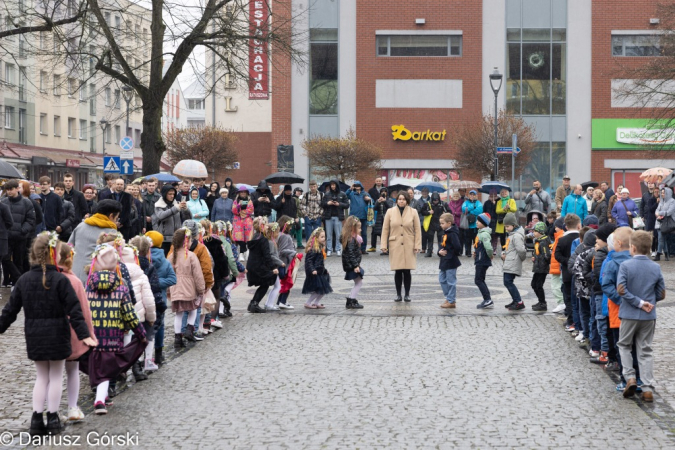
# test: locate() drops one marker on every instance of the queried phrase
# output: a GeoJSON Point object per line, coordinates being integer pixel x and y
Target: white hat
{"type": "Point", "coordinates": [625, 191]}
{"type": "Point", "coordinates": [223, 190]}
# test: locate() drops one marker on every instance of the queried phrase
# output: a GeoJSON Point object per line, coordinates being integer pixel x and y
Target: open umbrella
{"type": "Point", "coordinates": [432, 186]}
{"type": "Point", "coordinates": [397, 187]}
{"type": "Point", "coordinates": [655, 175]}
{"type": "Point", "coordinates": [325, 184]}
{"type": "Point", "coordinates": [250, 188]}
{"type": "Point", "coordinates": [164, 177]}
{"type": "Point", "coordinates": [588, 184]}
{"type": "Point", "coordinates": [190, 168]}
{"type": "Point", "coordinates": [495, 186]}
{"type": "Point", "coordinates": [463, 184]}
{"type": "Point", "coordinates": [9, 171]}
{"type": "Point", "coordinates": [284, 178]}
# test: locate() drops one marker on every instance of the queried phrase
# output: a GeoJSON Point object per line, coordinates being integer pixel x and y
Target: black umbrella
{"type": "Point", "coordinates": [325, 185]}
{"type": "Point", "coordinates": [588, 184]}
{"type": "Point", "coordinates": [284, 178]}
{"type": "Point", "coordinates": [397, 188]}
{"type": "Point", "coordinates": [493, 186]}
{"type": "Point", "coordinates": [7, 170]}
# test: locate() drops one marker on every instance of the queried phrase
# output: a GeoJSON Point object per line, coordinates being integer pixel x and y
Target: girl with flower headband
{"type": "Point", "coordinates": [187, 294]}
{"type": "Point", "coordinates": [271, 233]}
{"type": "Point", "coordinates": [112, 312]}
{"type": "Point", "coordinates": [351, 258]}
{"type": "Point", "coordinates": [261, 269]}
{"type": "Point", "coordinates": [237, 269]}
{"type": "Point", "coordinates": [242, 209]}
{"type": "Point", "coordinates": [65, 266]}
{"type": "Point", "coordinates": [317, 279]}
{"type": "Point", "coordinates": [49, 303]}
{"type": "Point", "coordinates": [221, 271]}
{"type": "Point", "coordinates": [289, 256]}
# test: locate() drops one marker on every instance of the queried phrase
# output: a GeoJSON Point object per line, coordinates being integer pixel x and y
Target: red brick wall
{"type": "Point", "coordinates": [374, 123]}
{"type": "Point", "coordinates": [253, 151]}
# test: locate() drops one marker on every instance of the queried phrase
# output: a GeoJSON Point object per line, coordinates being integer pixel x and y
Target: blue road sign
{"type": "Point", "coordinates": [111, 164]}
{"type": "Point", "coordinates": [507, 150]}
{"type": "Point", "coordinates": [126, 143]}
{"type": "Point", "coordinates": [127, 167]}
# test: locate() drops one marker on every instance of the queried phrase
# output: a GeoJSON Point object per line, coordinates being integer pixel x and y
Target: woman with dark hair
{"type": "Point", "coordinates": [402, 239]}
{"type": "Point", "coordinates": [89, 192]}
{"type": "Point", "coordinates": [212, 195]}
{"type": "Point", "coordinates": [381, 206]}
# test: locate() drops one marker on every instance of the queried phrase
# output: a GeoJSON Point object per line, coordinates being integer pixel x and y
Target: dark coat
{"type": "Point", "coordinates": [68, 223]}
{"type": "Point", "coordinates": [334, 195]}
{"type": "Point", "coordinates": [79, 202]}
{"type": "Point", "coordinates": [104, 194]}
{"type": "Point", "coordinates": [288, 208]}
{"type": "Point", "coordinates": [563, 252]}
{"type": "Point", "coordinates": [314, 261]}
{"type": "Point", "coordinates": [598, 259]}
{"type": "Point", "coordinates": [149, 201]}
{"type": "Point", "coordinates": [490, 208]}
{"type": "Point", "coordinates": [453, 246]}
{"type": "Point", "coordinates": [6, 224]}
{"type": "Point", "coordinates": [650, 213]}
{"type": "Point", "coordinates": [351, 256]}
{"type": "Point", "coordinates": [23, 213]}
{"type": "Point", "coordinates": [381, 209]}
{"type": "Point", "coordinates": [49, 314]}
{"type": "Point", "coordinates": [39, 214]}
{"type": "Point", "coordinates": [260, 264]}
{"type": "Point", "coordinates": [232, 191]}
{"type": "Point", "coordinates": [125, 216]}
{"type": "Point", "coordinates": [52, 207]}
{"type": "Point", "coordinates": [542, 255]}
{"type": "Point", "coordinates": [91, 207]}
{"type": "Point", "coordinates": [600, 211]}
{"type": "Point", "coordinates": [221, 267]}
{"type": "Point", "coordinates": [261, 208]}
{"type": "Point", "coordinates": [435, 211]}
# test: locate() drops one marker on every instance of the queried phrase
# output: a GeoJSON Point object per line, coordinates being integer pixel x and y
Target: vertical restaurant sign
{"type": "Point", "coordinates": [258, 67]}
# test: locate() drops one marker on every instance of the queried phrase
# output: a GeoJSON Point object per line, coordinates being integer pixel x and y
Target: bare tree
{"type": "Point", "coordinates": [213, 146]}
{"type": "Point", "coordinates": [475, 145]}
{"type": "Point", "coordinates": [342, 157]}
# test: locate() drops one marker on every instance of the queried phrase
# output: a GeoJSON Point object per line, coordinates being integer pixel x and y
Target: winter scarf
{"type": "Point", "coordinates": [100, 221]}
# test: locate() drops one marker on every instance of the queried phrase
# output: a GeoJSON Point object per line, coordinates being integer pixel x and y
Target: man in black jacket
{"type": "Point", "coordinates": [67, 225]}
{"type": "Point", "coordinates": [374, 192]}
{"type": "Point", "coordinates": [334, 203]}
{"type": "Point", "coordinates": [150, 197]}
{"type": "Point", "coordinates": [52, 205]}
{"type": "Point", "coordinates": [563, 252]}
{"type": "Point", "coordinates": [107, 192]}
{"type": "Point", "coordinates": [23, 214]}
{"type": "Point", "coordinates": [75, 197]}
{"type": "Point", "coordinates": [262, 200]}
{"type": "Point", "coordinates": [125, 216]}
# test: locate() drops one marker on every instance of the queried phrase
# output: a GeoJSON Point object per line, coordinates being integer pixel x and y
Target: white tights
{"type": "Point", "coordinates": [274, 293]}
{"type": "Point", "coordinates": [358, 282]}
{"type": "Point", "coordinates": [314, 298]}
{"type": "Point", "coordinates": [178, 320]}
{"type": "Point", "coordinates": [73, 383]}
{"type": "Point", "coordinates": [102, 392]}
{"type": "Point", "coordinates": [149, 350]}
{"type": "Point", "coordinates": [48, 385]}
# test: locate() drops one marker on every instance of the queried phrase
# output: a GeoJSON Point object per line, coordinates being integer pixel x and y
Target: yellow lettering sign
{"type": "Point", "coordinates": [401, 133]}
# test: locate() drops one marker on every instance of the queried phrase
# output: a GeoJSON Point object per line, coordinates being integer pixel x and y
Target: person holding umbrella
{"type": "Point", "coordinates": [505, 205]}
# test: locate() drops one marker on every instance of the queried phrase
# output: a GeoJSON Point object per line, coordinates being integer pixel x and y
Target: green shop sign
{"type": "Point", "coordinates": [629, 134]}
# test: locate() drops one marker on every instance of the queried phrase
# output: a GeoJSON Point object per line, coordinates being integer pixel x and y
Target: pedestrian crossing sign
{"type": "Point", "coordinates": [111, 164]}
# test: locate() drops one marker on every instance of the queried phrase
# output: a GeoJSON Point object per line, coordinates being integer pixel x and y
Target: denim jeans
{"type": "Point", "coordinates": [584, 315]}
{"type": "Point", "coordinates": [196, 324]}
{"type": "Point", "coordinates": [594, 336]}
{"type": "Point", "coordinates": [602, 324]}
{"type": "Point", "coordinates": [575, 307]}
{"type": "Point", "coordinates": [333, 225]}
{"type": "Point", "coordinates": [479, 280]}
{"type": "Point", "coordinates": [311, 225]}
{"type": "Point", "coordinates": [663, 243]}
{"type": "Point", "coordinates": [509, 279]}
{"type": "Point", "coordinates": [159, 330]}
{"type": "Point", "coordinates": [448, 280]}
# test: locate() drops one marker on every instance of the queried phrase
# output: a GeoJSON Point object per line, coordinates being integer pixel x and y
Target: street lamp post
{"type": "Point", "coordinates": [128, 94]}
{"type": "Point", "coordinates": [495, 77]}
{"type": "Point", "coordinates": [104, 126]}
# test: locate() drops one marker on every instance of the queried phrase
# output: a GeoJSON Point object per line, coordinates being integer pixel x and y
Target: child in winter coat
{"type": "Point", "coordinates": [112, 312]}
{"type": "Point", "coordinates": [237, 269]}
{"type": "Point", "coordinates": [582, 284]}
{"type": "Point", "coordinates": [271, 233]}
{"type": "Point", "coordinates": [260, 269]}
{"type": "Point", "coordinates": [351, 258]}
{"type": "Point", "coordinates": [541, 264]}
{"type": "Point", "coordinates": [166, 278]}
{"type": "Point", "coordinates": [289, 256]}
{"type": "Point", "coordinates": [317, 279]}
{"type": "Point", "coordinates": [482, 255]}
{"type": "Point", "coordinates": [221, 272]}
{"type": "Point", "coordinates": [513, 256]}
{"type": "Point", "coordinates": [50, 304]}
{"type": "Point", "coordinates": [65, 266]}
{"type": "Point", "coordinates": [556, 274]}
{"type": "Point", "coordinates": [450, 248]}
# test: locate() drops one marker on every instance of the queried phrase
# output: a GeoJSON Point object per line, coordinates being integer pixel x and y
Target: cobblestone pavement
{"type": "Point", "coordinates": [391, 375]}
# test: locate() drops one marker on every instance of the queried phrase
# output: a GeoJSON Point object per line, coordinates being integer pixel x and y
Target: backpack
{"type": "Point", "coordinates": [581, 284]}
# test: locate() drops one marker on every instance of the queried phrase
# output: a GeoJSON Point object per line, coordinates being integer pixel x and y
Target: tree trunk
{"type": "Point", "coordinates": [152, 143]}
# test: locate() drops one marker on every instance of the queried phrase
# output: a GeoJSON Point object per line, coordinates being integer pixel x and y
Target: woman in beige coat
{"type": "Point", "coordinates": [402, 238]}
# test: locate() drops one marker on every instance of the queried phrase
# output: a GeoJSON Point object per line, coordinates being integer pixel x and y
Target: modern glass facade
{"type": "Point", "coordinates": [536, 61]}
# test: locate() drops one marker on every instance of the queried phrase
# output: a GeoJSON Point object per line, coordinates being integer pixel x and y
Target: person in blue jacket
{"type": "Point", "coordinates": [575, 203]}
{"type": "Point", "coordinates": [624, 209]}
{"type": "Point", "coordinates": [358, 207]}
{"type": "Point", "coordinates": [472, 208]}
{"type": "Point", "coordinates": [197, 206]}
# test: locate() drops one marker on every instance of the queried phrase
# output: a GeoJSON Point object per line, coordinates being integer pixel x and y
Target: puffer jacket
{"type": "Point", "coordinates": [259, 264]}
{"type": "Point", "coordinates": [334, 196]}
{"type": "Point", "coordinates": [47, 313]}
{"type": "Point", "coordinates": [542, 255]}
{"type": "Point", "coordinates": [262, 208]}
{"type": "Point", "coordinates": [483, 247]}
{"type": "Point", "coordinates": [515, 252]}
{"type": "Point", "coordinates": [167, 219]}
{"type": "Point", "coordinates": [555, 265]}
{"type": "Point", "coordinates": [381, 209]}
{"type": "Point", "coordinates": [599, 258]}
{"type": "Point", "coordinates": [351, 255]}
{"type": "Point", "coordinates": [23, 214]}
{"type": "Point", "coordinates": [68, 223]}
{"type": "Point", "coordinates": [198, 207]}
{"type": "Point", "coordinates": [435, 209]}
{"type": "Point", "coordinates": [221, 267]}
{"type": "Point", "coordinates": [145, 300]}
{"type": "Point", "coordinates": [190, 279]}
{"type": "Point", "coordinates": [165, 273]}
{"type": "Point", "coordinates": [150, 272]}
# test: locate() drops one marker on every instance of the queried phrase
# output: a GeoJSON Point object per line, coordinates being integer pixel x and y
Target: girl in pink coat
{"type": "Point", "coordinates": [243, 219]}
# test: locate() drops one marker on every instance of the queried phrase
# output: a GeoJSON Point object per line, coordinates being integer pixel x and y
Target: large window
{"type": "Point", "coordinates": [419, 45]}
{"type": "Point", "coordinates": [9, 117]}
{"type": "Point", "coordinates": [323, 93]}
{"type": "Point", "coordinates": [636, 45]}
{"type": "Point", "coordinates": [83, 129]}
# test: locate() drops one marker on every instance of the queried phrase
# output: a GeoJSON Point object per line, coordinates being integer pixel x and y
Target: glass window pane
{"type": "Point", "coordinates": [559, 34]}
{"type": "Point", "coordinates": [513, 34]}
{"type": "Point", "coordinates": [559, 78]}
{"type": "Point", "coordinates": [455, 45]}
{"type": "Point", "coordinates": [382, 45]}
{"type": "Point", "coordinates": [536, 34]}
{"type": "Point", "coordinates": [323, 34]}
{"type": "Point", "coordinates": [539, 166]}
{"type": "Point", "coordinates": [617, 46]}
{"type": "Point", "coordinates": [558, 163]}
{"type": "Point", "coordinates": [418, 45]}
{"type": "Point", "coordinates": [323, 94]}
{"type": "Point", "coordinates": [513, 88]}
{"type": "Point", "coordinates": [536, 66]}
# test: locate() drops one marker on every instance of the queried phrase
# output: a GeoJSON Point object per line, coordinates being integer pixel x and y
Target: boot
{"type": "Point", "coordinates": [428, 255]}
{"type": "Point", "coordinates": [666, 257]}
{"type": "Point", "coordinates": [37, 425]}
{"type": "Point", "coordinates": [53, 423]}
{"type": "Point", "coordinates": [190, 333]}
{"type": "Point", "coordinates": [356, 304]}
{"type": "Point", "coordinates": [253, 307]}
{"type": "Point", "coordinates": [159, 358]}
{"type": "Point", "coordinates": [137, 370]}
{"type": "Point", "coordinates": [225, 301]}
{"type": "Point", "coordinates": [178, 342]}
{"type": "Point", "coordinates": [658, 257]}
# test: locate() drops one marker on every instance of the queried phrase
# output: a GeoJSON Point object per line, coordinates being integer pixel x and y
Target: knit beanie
{"type": "Point", "coordinates": [604, 231]}
{"type": "Point", "coordinates": [485, 219]}
{"type": "Point", "coordinates": [559, 223]}
{"type": "Point", "coordinates": [106, 257]}
{"type": "Point", "coordinates": [591, 221]}
{"type": "Point", "coordinates": [540, 228]}
{"type": "Point", "coordinates": [510, 219]}
{"type": "Point", "coordinates": [193, 226]}
{"type": "Point", "coordinates": [156, 237]}
{"type": "Point", "coordinates": [610, 242]}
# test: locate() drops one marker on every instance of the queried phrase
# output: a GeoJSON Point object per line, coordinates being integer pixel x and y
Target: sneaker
{"type": "Point", "coordinates": [579, 337]}
{"type": "Point", "coordinates": [620, 387]}
{"type": "Point", "coordinates": [75, 414]}
{"type": "Point", "coordinates": [150, 366]}
{"type": "Point", "coordinates": [602, 359]}
{"type": "Point", "coordinates": [301, 247]}
{"type": "Point", "coordinates": [612, 366]}
{"type": "Point", "coordinates": [372, 249]}
{"type": "Point", "coordinates": [199, 336]}
{"type": "Point", "coordinates": [217, 324]}
{"type": "Point", "coordinates": [108, 401]}
{"type": "Point", "coordinates": [485, 304]}
{"type": "Point", "coordinates": [509, 305]}
{"type": "Point", "coordinates": [653, 254]}
{"type": "Point", "coordinates": [593, 354]}
{"type": "Point", "coordinates": [517, 306]}
{"type": "Point", "coordinates": [559, 309]}
{"type": "Point", "coordinates": [570, 328]}
{"type": "Point", "coordinates": [272, 308]}
{"type": "Point", "coordinates": [339, 253]}
{"type": "Point", "coordinates": [583, 343]}
{"type": "Point", "coordinates": [99, 408]}
{"type": "Point", "coordinates": [574, 333]}
{"type": "Point", "coordinates": [329, 253]}
{"type": "Point", "coordinates": [541, 306]}
{"type": "Point", "coordinates": [285, 306]}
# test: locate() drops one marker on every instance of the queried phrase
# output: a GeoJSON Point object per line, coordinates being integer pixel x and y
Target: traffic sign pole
{"type": "Point", "coordinates": [514, 145]}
